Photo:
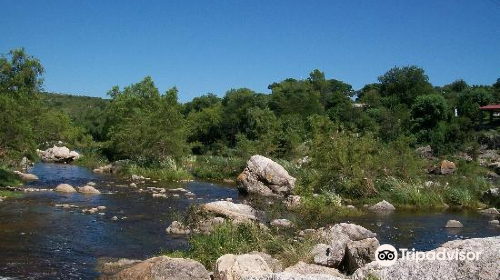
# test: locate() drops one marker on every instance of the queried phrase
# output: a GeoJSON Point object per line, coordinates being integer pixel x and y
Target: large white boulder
{"type": "Point", "coordinates": [265, 177]}
{"type": "Point", "coordinates": [240, 212]}
{"type": "Point", "coordinates": [58, 154]}
{"type": "Point", "coordinates": [485, 267]}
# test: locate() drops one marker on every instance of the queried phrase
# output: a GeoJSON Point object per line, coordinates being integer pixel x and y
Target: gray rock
{"type": "Point", "coordinates": [26, 176]}
{"type": "Point", "coordinates": [303, 268]}
{"type": "Point", "coordinates": [281, 223]}
{"type": "Point", "coordinates": [265, 177]}
{"type": "Point", "coordinates": [231, 210]}
{"type": "Point", "coordinates": [486, 267]}
{"type": "Point", "coordinates": [330, 255]}
{"type": "Point", "coordinates": [292, 201]}
{"type": "Point", "coordinates": [489, 211]}
{"type": "Point", "coordinates": [236, 267]}
{"type": "Point", "coordinates": [453, 224]}
{"type": "Point", "coordinates": [164, 268]}
{"type": "Point", "coordinates": [382, 206]}
{"type": "Point", "coordinates": [359, 253]}
{"type": "Point", "coordinates": [65, 188]}
{"type": "Point", "coordinates": [424, 151]}
{"type": "Point", "coordinates": [494, 222]}
{"type": "Point", "coordinates": [88, 190]}
{"type": "Point", "coordinates": [110, 266]}
{"type": "Point", "coordinates": [177, 228]}
{"type": "Point", "coordinates": [293, 276]}
{"type": "Point", "coordinates": [332, 252]}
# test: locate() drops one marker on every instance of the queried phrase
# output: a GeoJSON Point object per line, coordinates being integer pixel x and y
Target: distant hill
{"type": "Point", "coordinates": [85, 111]}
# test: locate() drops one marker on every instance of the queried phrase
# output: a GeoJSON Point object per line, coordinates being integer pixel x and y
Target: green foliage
{"type": "Point", "coordinates": [218, 167]}
{"type": "Point", "coordinates": [84, 111]}
{"type": "Point", "coordinates": [240, 239]}
{"type": "Point", "coordinates": [404, 85]}
{"type": "Point", "coordinates": [26, 122]}
{"type": "Point", "coordinates": [166, 170]}
{"type": "Point", "coordinates": [145, 125]}
{"type": "Point", "coordinates": [8, 178]}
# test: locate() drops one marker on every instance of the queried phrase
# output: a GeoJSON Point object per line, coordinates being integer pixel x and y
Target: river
{"type": "Point", "coordinates": [41, 241]}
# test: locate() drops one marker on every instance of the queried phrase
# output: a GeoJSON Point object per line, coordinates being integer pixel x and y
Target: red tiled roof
{"type": "Point", "coordinates": [490, 107]}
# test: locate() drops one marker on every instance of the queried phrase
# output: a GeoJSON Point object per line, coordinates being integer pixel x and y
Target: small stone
{"type": "Point", "coordinates": [382, 206]}
{"type": "Point", "coordinates": [453, 224]}
{"type": "Point", "coordinates": [133, 185]}
{"type": "Point", "coordinates": [489, 211]}
{"type": "Point", "coordinates": [281, 223]}
{"type": "Point", "coordinates": [101, 207]}
{"type": "Point", "coordinates": [494, 222]}
{"type": "Point", "coordinates": [91, 184]}
{"type": "Point", "coordinates": [114, 218]}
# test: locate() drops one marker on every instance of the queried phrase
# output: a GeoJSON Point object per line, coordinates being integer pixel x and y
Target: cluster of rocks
{"type": "Point", "coordinates": [94, 210]}
{"type": "Point", "coordinates": [58, 154]}
{"type": "Point", "coordinates": [343, 246]}
{"type": "Point", "coordinates": [260, 266]}
{"type": "Point", "coordinates": [486, 267]}
{"type": "Point", "coordinates": [165, 193]}
{"type": "Point", "coordinates": [87, 189]}
{"type": "Point", "coordinates": [113, 168]}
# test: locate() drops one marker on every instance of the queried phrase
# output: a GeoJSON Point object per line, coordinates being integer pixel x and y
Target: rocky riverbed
{"type": "Point", "coordinates": [55, 234]}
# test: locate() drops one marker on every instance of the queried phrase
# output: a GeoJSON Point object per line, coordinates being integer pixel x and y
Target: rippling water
{"type": "Point", "coordinates": [41, 241]}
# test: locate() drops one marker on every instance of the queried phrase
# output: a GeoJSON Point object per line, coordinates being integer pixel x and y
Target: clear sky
{"type": "Point", "coordinates": [206, 46]}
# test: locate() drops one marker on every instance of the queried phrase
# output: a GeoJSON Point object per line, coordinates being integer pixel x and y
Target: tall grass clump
{"type": "Point", "coordinates": [167, 170]}
{"type": "Point", "coordinates": [242, 238]}
{"type": "Point", "coordinates": [218, 167]}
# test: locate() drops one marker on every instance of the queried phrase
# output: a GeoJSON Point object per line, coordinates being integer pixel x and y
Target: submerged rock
{"type": "Point", "coordinates": [58, 154]}
{"type": "Point", "coordinates": [109, 266]}
{"type": "Point", "coordinates": [453, 224]}
{"type": "Point", "coordinates": [265, 177]}
{"type": "Point", "coordinates": [382, 206]}
{"type": "Point", "coordinates": [164, 268]}
{"type": "Point", "coordinates": [65, 188]}
{"type": "Point", "coordinates": [485, 267]}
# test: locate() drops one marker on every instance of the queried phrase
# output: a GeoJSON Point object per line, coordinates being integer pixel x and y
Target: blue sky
{"type": "Point", "coordinates": [206, 46]}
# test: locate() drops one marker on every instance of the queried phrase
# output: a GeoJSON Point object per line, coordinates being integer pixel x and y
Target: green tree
{"type": "Point", "coordinates": [404, 85]}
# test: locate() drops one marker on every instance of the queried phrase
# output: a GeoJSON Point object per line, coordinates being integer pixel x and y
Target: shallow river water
{"type": "Point", "coordinates": [41, 241]}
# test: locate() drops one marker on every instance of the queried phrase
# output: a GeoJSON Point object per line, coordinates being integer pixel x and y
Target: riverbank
{"type": "Point", "coordinates": [37, 231]}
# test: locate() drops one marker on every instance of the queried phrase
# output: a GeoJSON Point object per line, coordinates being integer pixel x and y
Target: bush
{"type": "Point", "coordinates": [242, 238]}
{"type": "Point", "coordinates": [218, 167]}
{"type": "Point", "coordinates": [8, 178]}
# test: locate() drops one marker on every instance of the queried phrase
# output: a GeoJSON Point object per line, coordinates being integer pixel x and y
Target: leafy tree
{"type": "Point", "coordinates": [404, 85]}
{"type": "Point", "coordinates": [295, 97]}
{"type": "Point", "coordinates": [145, 125]}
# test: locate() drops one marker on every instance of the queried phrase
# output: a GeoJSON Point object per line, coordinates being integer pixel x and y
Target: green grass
{"type": "Point", "coordinates": [10, 194]}
{"type": "Point", "coordinates": [217, 167]}
{"type": "Point", "coordinates": [240, 239]}
{"type": "Point", "coordinates": [8, 178]}
{"type": "Point", "coordinates": [158, 172]}
{"type": "Point", "coordinates": [91, 160]}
